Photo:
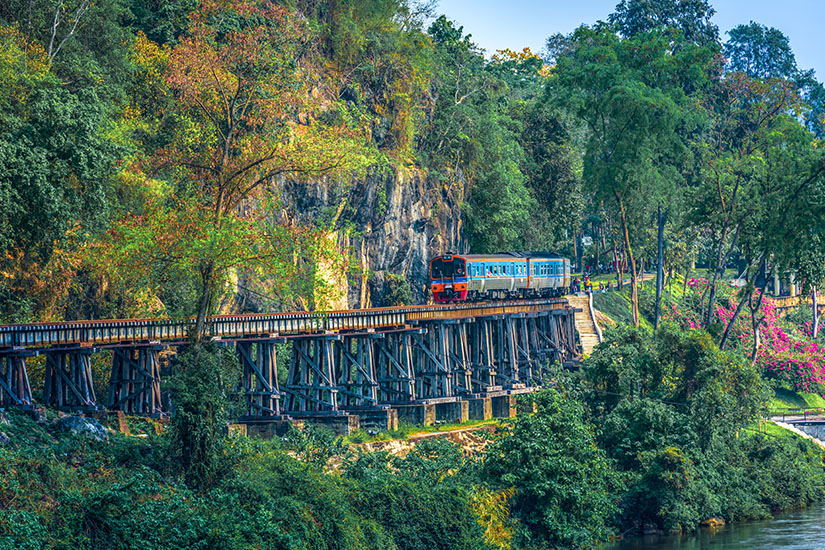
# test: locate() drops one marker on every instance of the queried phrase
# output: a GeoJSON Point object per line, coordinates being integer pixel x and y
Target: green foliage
{"type": "Point", "coordinates": [472, 139]}
{"type": "Point", "coordinates": [671, 410]}
{"type": "Point", "coordinates": [563, 483]}
{"type": "Point", "coordinates": [203, 406]}
{"type": "Point", "coordinates": [419, 499]}
{"type": "Point", "coordinates": [691, 17]}
{"type": "Point", "coordinates": [399, 292]}
{"type": "Point", "coordinates": [760, 52]}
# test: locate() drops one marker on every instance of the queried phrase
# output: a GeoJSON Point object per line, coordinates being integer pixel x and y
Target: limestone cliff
{"type": "Point", "coordinates": [391, 221]}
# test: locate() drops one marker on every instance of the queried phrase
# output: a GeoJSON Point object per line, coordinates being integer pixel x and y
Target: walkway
{"type": "Point", "coordinates": [585, 325]}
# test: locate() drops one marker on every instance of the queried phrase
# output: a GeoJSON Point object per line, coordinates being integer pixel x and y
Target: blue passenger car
{"type": "Point", "coordinates": [472, 277]}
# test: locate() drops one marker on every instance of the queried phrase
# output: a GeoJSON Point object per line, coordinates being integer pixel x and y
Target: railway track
{"type": "Point", "coordinates": [123, 331]}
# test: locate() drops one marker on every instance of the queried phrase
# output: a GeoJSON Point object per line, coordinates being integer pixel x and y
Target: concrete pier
{"type": "Point", "coordinates": [419, 414]}
{"type": "Point", "coordinates": [504, 406]}
{"type": "Point", "coordinates": [379, 420]}
{"type": "Point", "coordinates": [480, 408]}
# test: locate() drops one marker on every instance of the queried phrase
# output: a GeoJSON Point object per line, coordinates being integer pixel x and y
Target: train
{"type": "Point", "coordinates": [508, 275]}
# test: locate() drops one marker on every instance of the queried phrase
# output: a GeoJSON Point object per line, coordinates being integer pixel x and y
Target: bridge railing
{"type": "Point", "coordinates": [116, 331]}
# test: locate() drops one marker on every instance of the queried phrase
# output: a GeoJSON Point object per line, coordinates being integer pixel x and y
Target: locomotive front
{"type": "Point", "coordinates": [448, 278]}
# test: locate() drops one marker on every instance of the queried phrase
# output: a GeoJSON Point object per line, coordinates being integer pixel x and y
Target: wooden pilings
{"type": "Point", "coordinates": [14, 380]}
{"type": "Point", "coordinates": [68, 382]}
{"type": "Point", "coordinates": [259, 379]}
{"type": "Point", "coordinates": [134, 386]}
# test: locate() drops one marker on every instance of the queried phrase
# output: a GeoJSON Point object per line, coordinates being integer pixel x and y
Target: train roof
{"type": "Point", "coordinates": [508, 256]}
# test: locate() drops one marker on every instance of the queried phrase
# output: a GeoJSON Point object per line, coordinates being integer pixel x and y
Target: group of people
{"type": "Point", "coordinates": [585, 284]}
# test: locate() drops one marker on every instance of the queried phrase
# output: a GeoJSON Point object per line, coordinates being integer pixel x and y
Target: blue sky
{"type": "Point", "coordinates": [514, 24]}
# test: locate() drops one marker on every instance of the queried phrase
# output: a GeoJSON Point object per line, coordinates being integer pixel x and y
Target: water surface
{"type": "Point", "coordinates": [799, 530]}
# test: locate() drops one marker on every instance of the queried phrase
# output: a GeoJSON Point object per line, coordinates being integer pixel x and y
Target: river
{"type": "Point", "coordinates": [799, 530]}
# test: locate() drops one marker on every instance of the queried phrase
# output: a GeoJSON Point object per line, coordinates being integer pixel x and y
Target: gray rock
{"type": "Point", "coordinates": [4, 418]}
{"type": "Point", "coordinates": [88, 427]}
{"type": "Point", "coordinates": [391, 221]}
{"type": "Point", "coordinates": [4, 439]}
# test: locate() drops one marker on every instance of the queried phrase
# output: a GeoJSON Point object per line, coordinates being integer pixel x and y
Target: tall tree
{"type": "Point", "coordinates": [763, 52]}
{"type": "Point", "coordinates": [692, 17]}
{"type": "Point", "coordinates": [471, 143]}
{"type": "Point", "coordinates": [760, 52]}
{"type": "Point", "coordinates": [244, 110]}
{"type": "Point", "coordinates": [632, 97]}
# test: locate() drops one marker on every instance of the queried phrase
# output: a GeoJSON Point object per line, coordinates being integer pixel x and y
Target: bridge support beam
{"type": "Point", "coordinates": [432, 361]}
{"type": "Point", "coordinates": [14, 380]}
{"type": "Point", "coordinates": [311, 386]}
{"type": "Point", "coordinates": [260, 378]}
{"type": "Point", "coordinates": [134, 386]}
{"type": "Point", "coordinates": [507, 366]}
{"type": "Point", "coordinates": [68, 383]}
{"type": "Point", "coordinates": [354, 359]}
{"type": "Point", "coordinates": [393, 355]}
{"type": "Point", "coordinates": [483, 356]}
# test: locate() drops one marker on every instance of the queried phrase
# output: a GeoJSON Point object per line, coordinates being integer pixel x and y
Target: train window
{"type": "Point", "coordinates": [459, 265]}
{"type": "Point", "coordinates": [437, 266]}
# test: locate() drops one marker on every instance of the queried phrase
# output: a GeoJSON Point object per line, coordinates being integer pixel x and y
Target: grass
{"type": "Point", "coordinates": [786, 399]}
{"type": "Point", "coordinates": [771, 429]}
{"type": "Point", "coordinates": [616, 305]}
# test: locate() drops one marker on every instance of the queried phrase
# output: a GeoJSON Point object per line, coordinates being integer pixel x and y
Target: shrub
{"type": "Point", "coordinates": [562, 481]}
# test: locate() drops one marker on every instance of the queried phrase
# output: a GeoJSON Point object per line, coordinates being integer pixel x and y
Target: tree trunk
{"type": "Point", "coordinates": [575, 252]}
{"type": "Point", "coordinates": [634, 290]}
{"type": "Point", "coordinates": [719, 269]}
{"type": "Point", "coordinates": [205, 300]}
{"type": "Point", "coordinates": [756, 323]}
{"type": "Point", "coordinates": [660, 268]}
{"type": "Point", "coordinates": [750, 288]}
{"type": "Point", "coordinates": [816, 313]}
{"type": "Point", "coordinates": [744, 298]}
{"type": "Point", "coordinates": [641, 273]}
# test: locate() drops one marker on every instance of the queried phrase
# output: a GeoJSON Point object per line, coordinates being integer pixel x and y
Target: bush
{"type": "Point", "coordinates": [562, 482]}
{"type": "Point", "coordinates": [202, 392]}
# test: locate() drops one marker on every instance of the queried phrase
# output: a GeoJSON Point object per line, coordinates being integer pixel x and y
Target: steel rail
{"type": "Point", "coordinates": [132, 331]}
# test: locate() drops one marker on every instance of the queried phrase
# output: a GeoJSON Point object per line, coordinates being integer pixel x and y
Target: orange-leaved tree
{"type": "Point", "coordinates": [245, 105]}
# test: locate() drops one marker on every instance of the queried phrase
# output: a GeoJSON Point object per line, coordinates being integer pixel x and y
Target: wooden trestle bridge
{"type": "Point", "coordinates": [356, 360]}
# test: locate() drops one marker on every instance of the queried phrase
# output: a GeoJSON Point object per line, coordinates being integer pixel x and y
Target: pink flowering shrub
{"type": "Point", "coordinates": [794, 361]}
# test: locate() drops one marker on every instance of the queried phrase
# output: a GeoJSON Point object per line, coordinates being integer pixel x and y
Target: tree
{"type": "Point", "coordinates": [761, 176]}
{"type": "Point", "coordinates": [244, 110]}
{"type": "Point", "coordinates": [760, 52]}
{"type": "Point", "coordinates": [692, 17]}
{"type": "Point", "coordinates": [635, 99]}
{"type": "Point", "coordinates": [562, 480]}
{"type": "Point", "coordinates": [55, 168]}
{"type": "Point", "coordinates": [472, 141]}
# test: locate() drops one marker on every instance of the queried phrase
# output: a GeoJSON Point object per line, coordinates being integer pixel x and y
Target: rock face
{"type": "Point", "coordinates": [88, 427]}
{"type": "Point", "coordinates": [392, 221]}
